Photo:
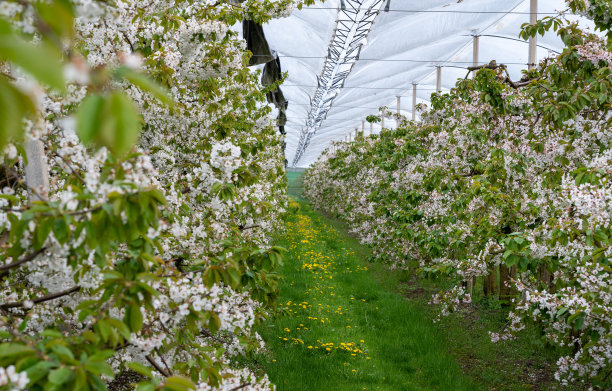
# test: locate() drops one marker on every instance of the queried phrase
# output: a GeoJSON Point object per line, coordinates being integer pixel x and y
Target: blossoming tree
{"type": "Point", "coordinates": [503, 182]}
{"type": "Point", "coordinates": [141, 177]}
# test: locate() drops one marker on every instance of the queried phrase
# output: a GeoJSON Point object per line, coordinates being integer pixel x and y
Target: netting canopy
{"type": "Point", "coordinates": [348, 58]}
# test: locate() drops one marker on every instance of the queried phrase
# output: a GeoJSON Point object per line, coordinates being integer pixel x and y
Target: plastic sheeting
{"type": "Point", "coordinates": [404, 47]}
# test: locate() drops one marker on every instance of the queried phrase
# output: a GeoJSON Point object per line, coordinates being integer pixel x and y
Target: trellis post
{"type": "Point", "coordinates": [438, 79]}
{"type": "Point", "coordinates": [414, 100]}
{"type": "Point", "coordinates": [399, 108]}
{"type": "Point", "coordinates": [533, 19]}
{"type": "Point", "coordinates": [382, 124]}
{"type": "Point", "coordinates": [37, 174]}
{"type": "Point", "coordinates": [475, 50]}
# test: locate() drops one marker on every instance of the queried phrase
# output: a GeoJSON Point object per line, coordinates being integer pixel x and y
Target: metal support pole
{"type": "Point", "coordinates": [414, 100]}
{"type": "Point", "coordinates": [363, 127]}
{"type": "Point", "coordinates": [533, 19]}
{"type": "Point", "coordinates": [399, 109]}
{"type": "Point", "coordinates": [371, 128]}
{"type": "Point", "coordinates": [475, 52]}
{"type": "Point", "coordinates": [382, 124]}
{"type": "Point", "coordinates": [439, 79]}
{"type": "Point", "coordinates": [37, 174]}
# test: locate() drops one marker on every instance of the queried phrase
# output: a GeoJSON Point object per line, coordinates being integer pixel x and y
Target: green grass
{"type": "Point", "coordinates": [401, 348]}
{"type": "Point", "coordinates": [523, 364]}
{"type": "Point", "coordinates": [295, 184]}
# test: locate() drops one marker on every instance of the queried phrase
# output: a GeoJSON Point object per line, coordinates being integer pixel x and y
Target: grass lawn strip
{"type": "Point", "coordinates": [343, 330]}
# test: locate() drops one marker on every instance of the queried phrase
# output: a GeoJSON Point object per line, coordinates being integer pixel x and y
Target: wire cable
{"type": "Point", "coordinates": [391, 60]}
{"type": "Point", "coordinates": [358, 88]}
{"type": "Point", "coordinates": [445, 11]}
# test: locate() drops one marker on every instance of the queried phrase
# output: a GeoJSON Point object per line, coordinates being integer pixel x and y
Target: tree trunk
{"type": "Point", "coordinates": [490, 282]}
{"type": "Point", "coordinates": [545, 277]}
{"type": "Point", "coordinates": [506, 290]}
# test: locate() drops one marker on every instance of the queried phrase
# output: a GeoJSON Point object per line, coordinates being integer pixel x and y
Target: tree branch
{"type": "Point", "coordinates": [157, 366]}
{"type": "Point", "coordinates": [494, 65]}
{"type": "Point", "coordinates": [41, 299]}
{"type": "Point", "coordinates": [23, 260]}
{"type": "Point", "coordinates": [128, 40]}
{"type": "Point", "coordinates": [243, 228]}
{"type": "Point", "coordinates": [240, 387]}
{"type": "Point", "coordinates": [69, 166]}
{"type": "Point", "coordinates": [163, 360]}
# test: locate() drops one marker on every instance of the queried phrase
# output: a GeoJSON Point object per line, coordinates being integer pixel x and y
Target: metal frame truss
{"type": "Point", "coordinates": [355, 19]}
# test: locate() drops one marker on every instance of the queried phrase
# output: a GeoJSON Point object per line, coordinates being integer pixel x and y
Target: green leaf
{"type": "Point", "coordinates": [80, 381]}
{"type": "Point", "coordinates": [89, 117]}
{"type": "Point", "coordinates": [579, 323]}
{"type": "Point", "coordinates": [41, 61]}
{"type": "Point", "coordinates": [39, 371]}
{"type": "Point", "coordinates": [110, 121]}
{"type": "Point", "coordinates": [142, 369]}
{"type": "Point", "coordinates": [60, 230]}
{"type": "Point", "coordinates": [102, 355]}
{"type": "Point", "coordinates": [121, 129]}
{"type": "Point", "coordinates": [145, 387]}
{"type": "Point", "coordinates": [60, 376]}
{"type": "Point", "coordinates": [52, 333]}
{"type": "Point", "coordinates": [58, 15]}
{"type": "Point", "coordinates": [99, 368]}
{"type": "Point", "coordinates": [42, 232]}
{"type": "Point", "coordinates": [135, 317]}
{"type": "Point", "coordinates": [13, 349]}
{"type": "Point", "coordinates": [143, 82]}
{"type": "Point", "coordinates": [512, 260]}
{"type": "Point", "coordinates": [104, 329]}
{"type": "Point", "coordinates": [62, 352]}
{"type": "Point", "coordinates": [120, 326]}
{"type": "Point", "coordinates": [14, 106]}
{"type": "Point", "coordinates": [96, 383]}
{"type": "Point", "coordinates": [176, 383]}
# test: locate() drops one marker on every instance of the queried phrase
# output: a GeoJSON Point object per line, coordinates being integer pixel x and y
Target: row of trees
{"type": "Point", "coordinates": [505, 185]}
{"type": "Point", "coordinates": [141, 174]}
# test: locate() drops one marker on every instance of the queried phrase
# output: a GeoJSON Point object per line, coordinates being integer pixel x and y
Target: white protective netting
{"type": "Point", "coordinates": [403, 46]}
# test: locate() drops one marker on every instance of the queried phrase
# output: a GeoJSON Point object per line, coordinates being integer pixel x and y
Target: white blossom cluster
{"type": "Point", "coordinates": [10, 377]}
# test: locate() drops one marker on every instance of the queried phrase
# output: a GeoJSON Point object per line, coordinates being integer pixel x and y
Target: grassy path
{"type": "Point", "coordinates": [344, 329]}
